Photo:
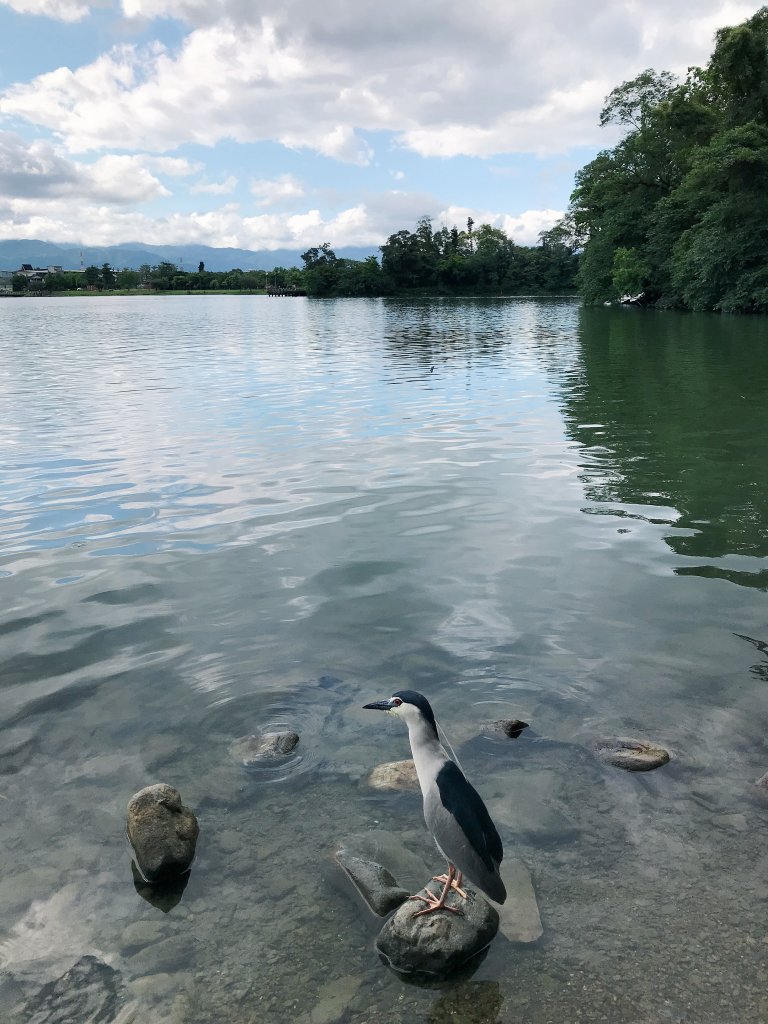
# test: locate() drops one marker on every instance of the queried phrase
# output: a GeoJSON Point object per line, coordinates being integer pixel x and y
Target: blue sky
{"type": "Point", "coordinates": [265, 125]}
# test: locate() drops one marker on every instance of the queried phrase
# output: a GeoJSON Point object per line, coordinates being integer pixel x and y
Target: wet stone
{"type": "Point", "coordinates": [437, 943]}
{"type": "Point", "coordinates": [252, 750]}
{"type": "Point", "coordinates": [394, 775]}
{"type": "Point", "coordinates": [90, 992]}
{"type": "Point", "coordinates": [509, 728]}
{"type": "Point", "coordinates": [630, 754]}
{"type": "Point", "coordinates": [162, 831]}
{"type": "Point", "coordinates": [378, 888]}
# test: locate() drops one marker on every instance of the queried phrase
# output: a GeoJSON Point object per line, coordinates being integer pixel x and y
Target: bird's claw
{"type": "Point", "coordinates": [434, 904]}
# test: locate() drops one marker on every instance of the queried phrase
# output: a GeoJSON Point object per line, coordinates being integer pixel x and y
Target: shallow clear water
{"type": "Point", "coordinates": [220, 514]}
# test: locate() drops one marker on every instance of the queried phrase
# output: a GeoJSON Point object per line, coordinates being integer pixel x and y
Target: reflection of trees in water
{"type": "Point", "coordinates": [671, 410]}
{"type": "Point", "coordinates": [761, 668]}
{"type": "Point", "coordinates": [421, 333]}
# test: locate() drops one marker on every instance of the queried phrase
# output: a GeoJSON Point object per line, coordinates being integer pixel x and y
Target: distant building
{"type": "Point", "coordinates": [6, 282]}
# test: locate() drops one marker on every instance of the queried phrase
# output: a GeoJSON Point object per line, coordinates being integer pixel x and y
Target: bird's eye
{"type": "Point", "coordinates": [396, 702]}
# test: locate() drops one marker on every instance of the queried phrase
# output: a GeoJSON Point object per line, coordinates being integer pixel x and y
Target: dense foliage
{"type": "Point", "coordinates": [446, 261]}
{"type": "Point", "coordinates": [679, 208]}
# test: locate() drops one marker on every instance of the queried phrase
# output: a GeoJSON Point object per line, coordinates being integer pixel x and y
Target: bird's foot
{"type": "Point", "coordinates": [434, 903]}
{"type": "Point", "coordinates": [455, 884]}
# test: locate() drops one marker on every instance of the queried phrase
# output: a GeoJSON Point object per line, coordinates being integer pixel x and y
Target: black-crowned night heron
{"type": "Point", "coordinates": [453, 809]}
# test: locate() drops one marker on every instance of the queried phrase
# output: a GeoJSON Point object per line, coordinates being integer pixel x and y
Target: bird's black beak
{"type": "Point", "coordinates": [378, 705]}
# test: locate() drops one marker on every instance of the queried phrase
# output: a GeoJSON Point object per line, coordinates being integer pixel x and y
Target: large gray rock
{"type": "Point", "coordinates": [90, 992]}
{"type": "Point", "coordinates": [162, 831]}
{"type": "Point", "coordinates": [376, 885]}
{"type": "Point", "coordinates": [440, 942]}
{"type": "Point", "coordinates": [253, 750]}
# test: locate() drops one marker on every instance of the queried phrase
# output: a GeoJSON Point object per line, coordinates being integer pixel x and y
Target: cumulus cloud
{"type": "Point", "coordinates": [448, 79]}
{"type": "Point", "coordinates": [523, 229]}
{"type": "Point", "coordinates": [269, 192]}
{"type": "Point", "coordinates": [38, 170]}
{"type": "Point", "coordinates": [61, 10]}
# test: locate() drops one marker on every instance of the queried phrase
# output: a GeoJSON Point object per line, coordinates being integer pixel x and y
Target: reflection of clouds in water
{"type": "Point", "coordinates": [63, 925]}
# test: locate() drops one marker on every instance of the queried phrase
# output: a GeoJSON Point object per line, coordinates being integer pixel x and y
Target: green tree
{"type": "Point", "coordinates": [92, 276]}
{"type": "Point", "coordinates": [321, 270]}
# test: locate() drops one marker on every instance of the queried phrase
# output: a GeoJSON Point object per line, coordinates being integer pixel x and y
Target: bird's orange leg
{"type": "Point", "coordinates": [439, 902]}
{"type": "Point", "coordinates": [455, 884]}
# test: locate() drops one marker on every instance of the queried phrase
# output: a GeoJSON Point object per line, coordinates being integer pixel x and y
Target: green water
{"type": "Point", "coordinates": [223, 513]}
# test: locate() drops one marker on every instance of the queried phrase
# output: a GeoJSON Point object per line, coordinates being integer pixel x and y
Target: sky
{"type": "Point", "coordinates": [265, 125]}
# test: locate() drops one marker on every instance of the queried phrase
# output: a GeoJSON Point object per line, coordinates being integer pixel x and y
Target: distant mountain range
{"type": "Point", "coordinates": [132, 255]}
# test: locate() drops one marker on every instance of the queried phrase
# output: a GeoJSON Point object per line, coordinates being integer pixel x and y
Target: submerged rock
{"type": "Point", "coordinates": [519, 917]}
{"type": "Point", "coordinates": [440, 942]}
{"type": "Point", "coordinates": [394, 775]}
{"type": "Point", "coordinates": [162, 831]}
{"type": "Point", "coordinates": [90, 992]}
{"type": "Point", "coordinates": [630, 754]}
{"type": "Point", "coordinates": [164, 894]}
{"type": "Point", "coordinates": [376, 885]}
{"type": "Point", "coordinates": [512, 728]}
{"type": "Point", "coordinates": [252, 750]}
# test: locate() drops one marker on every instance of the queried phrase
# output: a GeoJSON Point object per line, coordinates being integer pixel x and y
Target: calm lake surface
{"type": "Point", "coordinates": [219, 514]}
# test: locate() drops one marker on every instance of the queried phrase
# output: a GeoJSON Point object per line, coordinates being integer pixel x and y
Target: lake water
{"type": "Point", "coordinates": [219, 514]}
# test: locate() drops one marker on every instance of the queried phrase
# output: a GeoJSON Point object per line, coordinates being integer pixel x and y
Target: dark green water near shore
{"type": "Point", "coordinates": [219, 514]}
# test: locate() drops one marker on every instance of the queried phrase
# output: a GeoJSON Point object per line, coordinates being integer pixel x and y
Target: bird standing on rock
{"type": "Point", "coordinates": [453, 809]}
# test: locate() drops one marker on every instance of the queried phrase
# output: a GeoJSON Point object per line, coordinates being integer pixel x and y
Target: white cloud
{"type": "Point", "coordinates": [523, 229]}
{"type": "Point", "coordinates": [39, 170]}
{"type": "Point", "coordinates": [214, 188]}
{"type": "Point", "coordinates": [269, 192]}
{"type": "Point", "coordinates": [61, 10]}
{"type": "Point", "coordinates": [172, 166]}
{"type": "Point", "coordinates": [367, 223]}
{"type": "Point", "coordinates": [448, 79]}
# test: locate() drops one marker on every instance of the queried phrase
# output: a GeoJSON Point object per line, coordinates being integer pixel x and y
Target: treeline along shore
{"type": "Point", "coordinates": [485, 261]}
{"type": "Point", "coordinates": [676, 214]}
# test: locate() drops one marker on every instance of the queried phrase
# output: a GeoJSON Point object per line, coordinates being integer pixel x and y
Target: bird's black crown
{"type": "Point", "coordinates": [421, 702]}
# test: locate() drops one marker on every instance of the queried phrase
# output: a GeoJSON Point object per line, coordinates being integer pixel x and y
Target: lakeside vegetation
{"type": "Point", "coordinates": [442, 262]}
{"type": "Point", "coordinates": [678, 210]}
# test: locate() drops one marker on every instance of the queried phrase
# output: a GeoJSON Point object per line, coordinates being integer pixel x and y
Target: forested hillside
{"type": "Point", "coordinates": [679, 208]}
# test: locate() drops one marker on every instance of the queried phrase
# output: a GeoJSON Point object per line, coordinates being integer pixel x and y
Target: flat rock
{"type": "Point", "coordinates": [90, 992]}
{"type": "Point", "coordinates": [262, 746]}
{"type": "Point", "coordinates": [162, 831]}
{"type": "Point", "coordinates": [519, 918]}
{"type": "Point", "coordinates": [630, 754]}
{"type": "Point", "coordinates": [394, 775]}
{"type": "Point", "coordinates": [440, 942]}
{"type": "Point", "coordinates": [376, 885]}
